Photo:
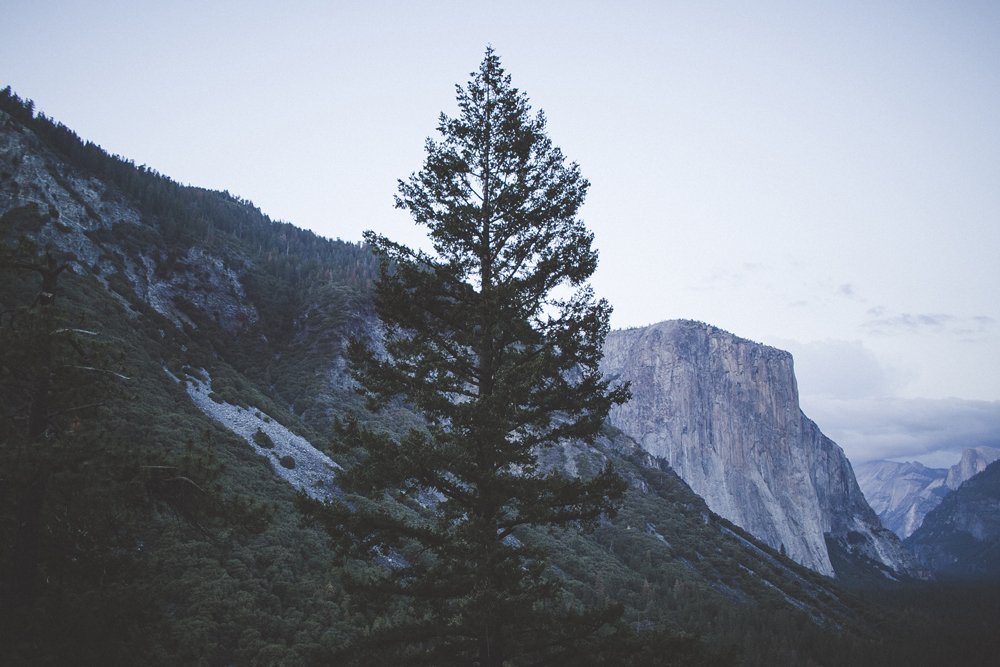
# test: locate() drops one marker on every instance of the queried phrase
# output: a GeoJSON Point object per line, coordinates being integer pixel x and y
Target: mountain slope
{"type": "Point", "coordinates": [724, 412]}
{"type": "Point", "coordinates": [961, 536]}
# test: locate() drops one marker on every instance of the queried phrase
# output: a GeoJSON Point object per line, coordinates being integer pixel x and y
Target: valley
{"type": "Point", "coordinates": [744, 537]}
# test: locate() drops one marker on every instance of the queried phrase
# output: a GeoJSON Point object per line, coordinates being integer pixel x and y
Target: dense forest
{"type": "Point", "coordinates": [160, 537]}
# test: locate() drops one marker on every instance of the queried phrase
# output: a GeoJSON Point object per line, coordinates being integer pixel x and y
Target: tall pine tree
{"type": "Point", "coordinates": [77, 501]}
{"type": "Point", "coordinates": [480, 343]}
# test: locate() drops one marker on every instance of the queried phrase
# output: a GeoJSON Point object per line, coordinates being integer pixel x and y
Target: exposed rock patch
{"type": "Point", "coordinates": [313, 471]}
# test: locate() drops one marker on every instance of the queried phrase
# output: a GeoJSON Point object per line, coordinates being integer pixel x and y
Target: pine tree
{"type": "Point", "coordinates": [64, 548]}
{"type": "Point", "coordinates": [480, 343]}
{"type": "Point", "coordinates": [76, 500]}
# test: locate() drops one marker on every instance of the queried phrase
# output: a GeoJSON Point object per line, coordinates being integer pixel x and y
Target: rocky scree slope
{"type": "Point", "coordinates": [291, 457]}
{"type": "Point", "coordinates": [724, 412]}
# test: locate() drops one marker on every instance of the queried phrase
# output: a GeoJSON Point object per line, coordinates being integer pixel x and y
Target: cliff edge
{"type": "Point", "coordinates": [724, 411]}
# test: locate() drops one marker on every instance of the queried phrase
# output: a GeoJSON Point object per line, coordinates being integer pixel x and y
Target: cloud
{"type": "Point", "coordinates": [842, 369]}
{"type": "Point", "coordinates": [851, 292]}
{"type": "Point", "coordinates": [851, 395]}
{"type": "Point", "coordinates": [907, 323]}
{"type": "Point", "coordinates": [727, 279]}
{"type": "Point", "coordinates": [932, 431]}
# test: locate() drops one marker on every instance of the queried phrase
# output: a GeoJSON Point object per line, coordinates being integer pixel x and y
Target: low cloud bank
{"type": "Point", "coordinates": [931, 431]}
{"type": "Point", "coordinates": [854, 397]}
{"type": "Point", "coordinates": [842, 369]}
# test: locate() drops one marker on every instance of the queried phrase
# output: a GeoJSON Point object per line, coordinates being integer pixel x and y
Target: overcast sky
{"type": "Point", "coordinates": [821, 176]}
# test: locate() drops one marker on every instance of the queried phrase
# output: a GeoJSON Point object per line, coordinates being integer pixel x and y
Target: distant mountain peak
{"type": "Point", "coordinates": [961, 536]}
{"type": "Point", "coordinates": [974, 461]}
{"type": "Point", "coordinates": [902, 494]}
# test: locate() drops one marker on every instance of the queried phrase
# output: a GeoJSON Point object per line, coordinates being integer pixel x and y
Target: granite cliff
{"type": "Point", "coordinates": [974, 461]}
{"type": "Point", "coordinates": [724, 412]}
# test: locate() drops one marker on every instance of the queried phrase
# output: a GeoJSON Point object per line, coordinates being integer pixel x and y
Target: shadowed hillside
{"type": "Point", "coordinates": [198, 292]}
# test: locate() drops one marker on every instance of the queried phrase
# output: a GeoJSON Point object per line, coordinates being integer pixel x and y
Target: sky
{"type": "Point", "coordinates": [823, 177]}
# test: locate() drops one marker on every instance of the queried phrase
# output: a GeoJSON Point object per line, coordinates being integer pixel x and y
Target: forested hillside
{"type": "Point", "coordinates": [961, 536]}
{"type": "Point", "coordinates": [148, 533]}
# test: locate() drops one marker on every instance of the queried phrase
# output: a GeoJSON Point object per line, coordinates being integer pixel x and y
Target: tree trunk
{"type": "Point", "coordinates": [23, 574]}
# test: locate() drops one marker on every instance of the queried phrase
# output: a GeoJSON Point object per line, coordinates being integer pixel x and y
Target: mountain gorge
{"type": "Point", "coordinates": [961, 536]}
{"type": "Point", "coordinates": [903, 493]}
{"type": "Point", "coordinates": [231, 328]}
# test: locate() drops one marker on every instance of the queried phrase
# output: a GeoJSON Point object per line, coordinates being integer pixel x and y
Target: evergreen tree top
{"type": "Point", "coordinates": [497, 196]}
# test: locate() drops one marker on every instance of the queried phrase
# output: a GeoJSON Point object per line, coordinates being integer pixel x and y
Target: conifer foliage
{"type": "Point", "coordinates": [78, 501]}
{"type": "Point", "coordinates": [480, 342]}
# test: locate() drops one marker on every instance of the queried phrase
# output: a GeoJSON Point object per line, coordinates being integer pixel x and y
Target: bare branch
{"type": "Point", "coordinates": [74, 409]}
{"type": "Point", "coordinates": [184, 479]}
{"type": "Point", "coordinates": [98, 370]}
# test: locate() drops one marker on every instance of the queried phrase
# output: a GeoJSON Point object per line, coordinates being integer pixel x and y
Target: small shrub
{"type": "Point", "coordinates": [264, 440]}
{"type": "Point", "coordinates": [287, 462]}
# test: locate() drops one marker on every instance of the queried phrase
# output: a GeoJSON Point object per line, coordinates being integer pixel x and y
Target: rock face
{"type": "Point", "coordinates": [974, 461]}
{"type": "Point", "coordinates": [961, 536]}
{"type": "Point", "coordinates": [86, 217]}
{"type": "Point", "coordinates": [724, 412]}
{"type": "Point", "coordinates": [902, 493]}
